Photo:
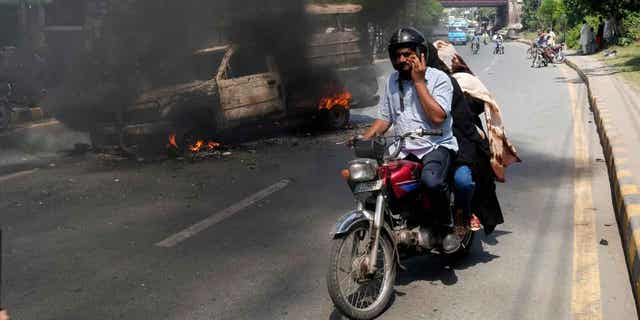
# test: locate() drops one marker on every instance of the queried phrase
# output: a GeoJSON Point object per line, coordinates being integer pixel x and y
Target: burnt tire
{"type": "Point", "coordinates": [343, 302]}
{"type": "Point", "coordinates": [5, 117]}
{"type": "Point", "coordinates": [338, 117]}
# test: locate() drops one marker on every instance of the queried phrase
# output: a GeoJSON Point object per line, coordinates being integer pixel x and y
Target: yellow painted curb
{"type": "Point", "coordinates": [615, 155]}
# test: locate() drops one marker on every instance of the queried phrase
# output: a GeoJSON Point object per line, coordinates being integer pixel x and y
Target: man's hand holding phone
{"type": "Point", "coordinates": [418, 68]}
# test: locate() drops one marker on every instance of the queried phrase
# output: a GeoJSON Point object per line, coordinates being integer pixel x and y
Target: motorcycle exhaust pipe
{"type": "Point", "coordinates": [426, 239]}
{"type": "Point", "coordinates": [421, 237]}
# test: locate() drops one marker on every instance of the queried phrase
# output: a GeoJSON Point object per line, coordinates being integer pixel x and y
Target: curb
{"type": "Point", "coordinates": [625, 193]}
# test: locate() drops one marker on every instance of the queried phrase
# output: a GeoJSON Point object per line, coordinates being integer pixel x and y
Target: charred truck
{"type": "Point", "coordinates": [233, 87]}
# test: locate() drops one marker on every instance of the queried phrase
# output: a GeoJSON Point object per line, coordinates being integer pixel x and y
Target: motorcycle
{"type": "Point", "coordinates": [555, 54]}
{"type": "Point", "coordinates": [538, 58]}
{"type": "Point", "coordinates": [393, 220]}
{"type": "Point", "coordinates": [499, 49]}
{"type": "Point", "coordinates": [475, 47]}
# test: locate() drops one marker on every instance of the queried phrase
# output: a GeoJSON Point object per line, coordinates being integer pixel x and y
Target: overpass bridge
{"type": "Point", "coordinates": [508, 11]}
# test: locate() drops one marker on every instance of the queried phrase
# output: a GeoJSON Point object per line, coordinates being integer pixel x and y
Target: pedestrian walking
{"type": "Point", "coordinates": [585, 36]}
{"type": "Point", "coordinates": [606, 32]}
{"type": "Point", "coordinates": [600, 34]}
{"type": "Point", "coordinates": [592, 41]}
{"type": "Point", "coordinates": [551, 38]}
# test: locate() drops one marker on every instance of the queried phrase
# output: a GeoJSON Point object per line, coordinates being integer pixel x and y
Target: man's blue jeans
{"type": "Point", "coordinates": [464, 188]}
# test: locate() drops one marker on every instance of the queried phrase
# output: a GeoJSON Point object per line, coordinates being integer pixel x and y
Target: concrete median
{"type": "Point", "coordinates": [624, 189]}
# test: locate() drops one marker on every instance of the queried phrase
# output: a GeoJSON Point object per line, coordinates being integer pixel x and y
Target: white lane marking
{"type": "Point", "coordinates": [41, 124]}
{"type": "Point", "coordinates": [493, 62]}
{"type": "Point", "coordinates": [222, 215]}
{"type": "Point", "coordinates": [17, 175]}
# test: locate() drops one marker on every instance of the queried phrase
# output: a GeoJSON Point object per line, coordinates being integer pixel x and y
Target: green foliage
{"type": "Point", "coordinates": [573, 37]}
{"type": "Point", "coordinates": [624, 41]}
{"type": "Point", "coordinates": [529, 18]}
{"type": "Point", "coordinates": [573, 34]}
{"type": "Point", "coordinates": [551, 14]}
{"type": "Point", "coordinates": [631, 26]}
{"type": "Point", "coordinates": [428, 14]}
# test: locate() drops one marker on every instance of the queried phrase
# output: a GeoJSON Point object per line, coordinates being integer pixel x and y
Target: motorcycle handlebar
{"type": "Point", "coordinates": [419, 132]}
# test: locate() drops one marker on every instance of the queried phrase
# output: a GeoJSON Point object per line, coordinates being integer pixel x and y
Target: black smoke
{"type": "Point", "coordinates": [143, 44]}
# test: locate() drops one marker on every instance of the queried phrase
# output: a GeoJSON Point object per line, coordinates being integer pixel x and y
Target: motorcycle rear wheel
{"type": "Point", "coordinates": [342, 278]}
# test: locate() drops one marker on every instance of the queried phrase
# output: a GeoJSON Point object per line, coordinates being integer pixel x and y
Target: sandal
{"type": "Point", "coordinates": [474, 223]}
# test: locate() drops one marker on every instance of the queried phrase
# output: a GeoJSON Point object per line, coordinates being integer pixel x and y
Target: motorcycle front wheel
{"type": "Point", "coordinates": [559, 58]}
{"type": "Point", "coordinates": [355, 292]}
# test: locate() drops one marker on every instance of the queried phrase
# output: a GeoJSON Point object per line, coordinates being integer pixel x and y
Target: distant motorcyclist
{"type": "Point", "coordinates": [417, 96]}
{"type": "Point", "coordinates": [485, 37]}
{"type": "Point", "coordinates": [499, 40]}
{"type": "Point", "coordinates": [475, 42]}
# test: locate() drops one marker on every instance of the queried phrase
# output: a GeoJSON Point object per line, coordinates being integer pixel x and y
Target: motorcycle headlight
{"type": "Point", "coordinates": [363, 170]}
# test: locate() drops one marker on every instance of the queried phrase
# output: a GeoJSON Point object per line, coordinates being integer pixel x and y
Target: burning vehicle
{"type": "Point", "coordinates": [235, 87]}
{"type": "Point", "coordinates": [341, 43]}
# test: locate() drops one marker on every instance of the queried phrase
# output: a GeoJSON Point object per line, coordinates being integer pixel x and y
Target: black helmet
{"type": "Point", "coordinates": [406, 37]}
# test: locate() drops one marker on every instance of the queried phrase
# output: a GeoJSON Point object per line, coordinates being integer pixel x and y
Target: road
{"type": "Point", "coordinates": [87, 238]}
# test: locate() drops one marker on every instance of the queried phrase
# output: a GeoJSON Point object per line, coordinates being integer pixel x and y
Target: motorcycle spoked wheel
{"type": "Point", "coordinates": [355, 294]}
{"type": "Point", "coordinates": [5, 117]}
{"type": "Point", "coordinates": [559, 58]}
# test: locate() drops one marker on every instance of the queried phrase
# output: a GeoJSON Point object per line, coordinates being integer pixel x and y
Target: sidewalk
{"type": "Point", "coordinates": [616, 108]}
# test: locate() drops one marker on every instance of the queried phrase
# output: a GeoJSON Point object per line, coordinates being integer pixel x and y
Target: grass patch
{"type": "Point", "coordinates": [529, 35]}
{"type": "Point", "coordinates": [627, 61]}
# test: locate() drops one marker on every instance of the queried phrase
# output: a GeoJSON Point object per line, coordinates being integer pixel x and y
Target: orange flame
{"type": "Point", "coordinates": [196, 147]}
{"type": "Point", "coordinates": [211, 145]}
{"type": "Point", "coordinates": [172, 141]}
{"type": "Point", "coordinates": [339, 99]}
{"type": "Point", "coordinates": [199, 145]}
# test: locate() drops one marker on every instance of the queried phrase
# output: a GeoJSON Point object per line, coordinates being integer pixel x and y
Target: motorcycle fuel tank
{"type": "Point", "coordinates": [404, 176]}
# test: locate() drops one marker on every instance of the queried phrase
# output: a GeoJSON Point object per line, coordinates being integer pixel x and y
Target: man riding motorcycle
{"type": "Point", "coordinates": [475, 43]}
{"type": "Point", "coordinates": [417, 96]}
{"type": "Point", "coordinates": [499, 40]}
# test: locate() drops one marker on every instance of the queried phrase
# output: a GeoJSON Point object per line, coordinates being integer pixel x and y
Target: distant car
{"type": "Point", "coordinates": [457, 35]}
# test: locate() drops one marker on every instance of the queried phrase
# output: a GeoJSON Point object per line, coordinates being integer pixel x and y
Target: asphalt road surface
{"type": "Point", "coordinates": [94, 237]}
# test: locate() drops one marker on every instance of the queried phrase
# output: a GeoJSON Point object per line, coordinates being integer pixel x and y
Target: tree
{"type": "Point", "coordinates": [613, 8]}
{"type": "Point", "coordinates": [550, 13]}
{"type": "Point", "coordinates": [529, 9]}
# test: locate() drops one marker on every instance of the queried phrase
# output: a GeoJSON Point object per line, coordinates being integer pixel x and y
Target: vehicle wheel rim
{"type": "Point", "coordinates": [361, 294]}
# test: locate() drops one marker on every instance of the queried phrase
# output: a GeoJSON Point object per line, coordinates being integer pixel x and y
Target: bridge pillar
{"type": "Point", "coordinates": [502, 16]}
{"type": "Point", "coordinates": [515, 12]}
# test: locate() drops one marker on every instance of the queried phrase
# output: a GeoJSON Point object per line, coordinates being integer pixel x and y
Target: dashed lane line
{"type": "Point", "coordinates": [17, 175]}
{"type": "Point", "coordinates": [222, 215]}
